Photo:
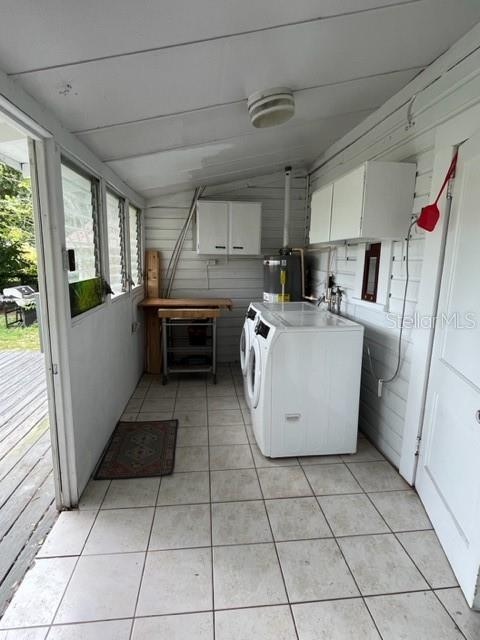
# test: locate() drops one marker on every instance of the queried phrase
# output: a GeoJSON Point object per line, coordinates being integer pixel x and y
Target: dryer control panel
{"type": "Point", "coordinates": [262, 329]}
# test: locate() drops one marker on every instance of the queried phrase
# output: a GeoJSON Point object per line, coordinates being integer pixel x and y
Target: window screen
{"type": "Point", "coordinates": [116, 243]}
{"type": "Point", "coordinates": [82, 242]}
{"type": "Point", "coordinates": [135, 245]}
{"type": "Point", "coordinates": [80, 202]}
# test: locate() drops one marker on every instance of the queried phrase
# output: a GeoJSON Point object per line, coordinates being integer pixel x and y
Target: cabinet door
{"type": "Point", "coordinates": [320, 214]}
{"type": "Point", "coordinates": [245, 228]}
{"type": "Point", "coordinates": [212, 227]}
{"type": "Point", "coordinates": [347, 206]}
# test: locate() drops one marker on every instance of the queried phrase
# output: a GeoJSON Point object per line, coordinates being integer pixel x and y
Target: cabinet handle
{"type": "Point", "coordinates": [220, 246]}
{"type": "Point", "coordinates": [237, 247]}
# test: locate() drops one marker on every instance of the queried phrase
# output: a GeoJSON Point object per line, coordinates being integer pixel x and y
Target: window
{"type": "Point", "coordinates": [370, 272]}
{"type": "Point", "coordinates": [82, 242]}
{"type": "Point", "coordinates": [134, 221]}
{"type": "Point", "coordinates": [116, 243]}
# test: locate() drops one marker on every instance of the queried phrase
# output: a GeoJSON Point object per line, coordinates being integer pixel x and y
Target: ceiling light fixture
{"type": "Point", "coordinates": [271, 107]}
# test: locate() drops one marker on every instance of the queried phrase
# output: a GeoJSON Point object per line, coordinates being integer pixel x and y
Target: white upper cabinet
{"type": "Point", "coordinates": [372, 202]}
{"type": "Point", "coordinates": [245, 228]}
{"type": "Point", "coordinates": [212, 227]}
{"type": "Point", "coordinates": [232, 228]}
{"type": "Point", "coordinates": [321, 214]}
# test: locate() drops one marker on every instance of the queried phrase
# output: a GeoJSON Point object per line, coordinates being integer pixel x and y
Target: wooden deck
{"type": "Point", "coordinates": [27, 509]}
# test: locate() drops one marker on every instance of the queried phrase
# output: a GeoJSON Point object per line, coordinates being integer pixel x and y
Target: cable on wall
{"type": "Point", "coordinates": [382, 381]}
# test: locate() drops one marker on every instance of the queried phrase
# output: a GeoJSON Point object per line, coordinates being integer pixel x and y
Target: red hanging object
{"type": "Point", "coordinates": [430, 214]}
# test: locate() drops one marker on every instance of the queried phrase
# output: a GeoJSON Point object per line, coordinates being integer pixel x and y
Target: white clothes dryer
{"type": "Point", "coordinates": [303, 381]}
{"type": "Point", "coordinates": [246, 339]}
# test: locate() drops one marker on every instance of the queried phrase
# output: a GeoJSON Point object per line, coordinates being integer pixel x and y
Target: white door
{"type": "Point", "coordinates": [321, 214]}
{"type": "Point", "coordinates": [254, 373]}
{"type": "Point", "coordinates": [347, 205]}
{"type": "Point", "coordinates": [244, 347]}
{"type": "Point", "coordinates": [212, 227]}
{"type": "Point", "coordinates": [448, 476]}
{"type": "Point", "coordinates": [245, 228]}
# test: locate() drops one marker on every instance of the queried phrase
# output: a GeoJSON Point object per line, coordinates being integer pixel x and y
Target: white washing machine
{"type": "Point", "coordinates": [303, 381]}
{"type": "Point", "coordinates": [248, 333]}
{"type": "Point", "coordinates": [246, 340]}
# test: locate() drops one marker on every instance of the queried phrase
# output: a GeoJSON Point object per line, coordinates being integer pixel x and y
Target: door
{"type": "Point", "coordinates": [254, 373]}
{"type": "Point", "coordinates": [245, 228]}
{"type": "Point", "coordinates": [244, 347]}
{"type": "Point", "coordinates": [448, 477]}
{"type": "Point", "coordinates": [347, 205]}
{"type": "Point", "coordinates": [212, 227]}
{"type": "Point", "coordinates": [321, 214]}
{"type": "Point", "coordinates": [53, 313]}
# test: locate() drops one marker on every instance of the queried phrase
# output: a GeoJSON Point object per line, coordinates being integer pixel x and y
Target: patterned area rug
{"type": "Point", "coordinates": [140, 450]}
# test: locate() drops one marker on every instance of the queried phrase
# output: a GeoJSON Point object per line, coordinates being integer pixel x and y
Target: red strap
{"type": "Point", "coordinates": [450, 172]}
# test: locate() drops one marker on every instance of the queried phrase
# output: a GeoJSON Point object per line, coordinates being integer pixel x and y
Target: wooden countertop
{"type": "Point", "coordinates": [172, 303]}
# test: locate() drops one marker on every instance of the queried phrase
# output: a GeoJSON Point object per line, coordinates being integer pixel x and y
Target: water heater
{"type": "Point", "coordinates": [282, 273]}
{"type": "Point", "coordinates": [282, 278]}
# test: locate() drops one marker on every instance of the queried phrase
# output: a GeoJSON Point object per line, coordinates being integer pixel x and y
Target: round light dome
{"type": "Point", "coordinates": [271, 107]}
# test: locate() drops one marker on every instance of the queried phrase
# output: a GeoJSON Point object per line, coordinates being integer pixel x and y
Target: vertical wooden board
{"type": "Point", "coordinates": [153, 350]}
{"type": "Point", "coordinates": [152, 280]}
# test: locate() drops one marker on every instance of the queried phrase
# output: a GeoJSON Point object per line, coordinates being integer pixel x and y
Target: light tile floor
{"type": "Point", "coordinates": [234, 546]}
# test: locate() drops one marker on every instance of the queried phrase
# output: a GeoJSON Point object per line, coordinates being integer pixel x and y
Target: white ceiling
{"type": "Point", "coordinates": [158, 88]}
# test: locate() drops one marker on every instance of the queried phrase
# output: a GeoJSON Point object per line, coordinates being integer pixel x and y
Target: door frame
{"type": "Point", "coordinates": [47, 208]}
{"type": "Point", "coordinates": [447, 136]}
{"type": "Point", "coordinates": [54, 302]}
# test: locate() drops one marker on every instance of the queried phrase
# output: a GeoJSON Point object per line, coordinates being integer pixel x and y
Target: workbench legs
{"type": "Point", "coordinates": [166, 323]}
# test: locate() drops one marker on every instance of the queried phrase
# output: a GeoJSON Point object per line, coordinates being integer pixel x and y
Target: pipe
{"type": "Point", "coordinates": [302, 263]}
{"type": "Point", "coordinates": [286, 217]}
{"type": "Point", "coordinates": [177, 250]}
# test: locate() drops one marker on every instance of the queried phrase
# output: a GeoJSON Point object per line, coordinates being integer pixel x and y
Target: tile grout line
{"type": "Point", "coordinates": [274, 544]}
{"type": "Point", "coordinates": [457, 626]}
{"type": "Point", "coordinates": [196, 611]}
{"type": "Point", "coordinates": [431, 588]}
{"type": "Point", "coordinates": [241, 544]}
{"type": "Point", "coordinates": [341, 550]}
{"type": "Point", "coordinates": [212, 575]}
{"type": "Point", "coordinates": [146, 551]}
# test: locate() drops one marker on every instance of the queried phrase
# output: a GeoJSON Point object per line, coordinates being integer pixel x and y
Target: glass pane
{"type": "Point", "coordinates": [79, 224]}
{"type": "Point", "coordinates": [135, 263]}
{"type": "Point", "coordinates": [115, 242]}
{"type": "Point", "coordinates": [372, 269]}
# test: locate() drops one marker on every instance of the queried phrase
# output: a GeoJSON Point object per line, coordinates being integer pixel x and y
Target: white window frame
{"type": "Point", "coordinates": [123, 242]}
{"type": "Point", "coordinates": [98, 227]}
{"type": "Point", "coordinates": [135, 286]}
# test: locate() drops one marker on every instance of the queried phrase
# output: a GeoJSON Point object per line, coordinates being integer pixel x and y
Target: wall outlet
{"type": "Point", "coordinates": [135, 327]}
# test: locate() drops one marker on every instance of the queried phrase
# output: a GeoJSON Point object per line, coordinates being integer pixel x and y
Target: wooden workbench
{"type": "Point", "coordinates": [151, 307]}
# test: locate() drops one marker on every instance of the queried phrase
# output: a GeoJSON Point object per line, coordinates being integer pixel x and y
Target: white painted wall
{"type": "Point", "coordinates": [238, 278]}
{"type": "Point", "coordinates": [448, 87]}
{"type": "Point", "coordinates": [107, 361]}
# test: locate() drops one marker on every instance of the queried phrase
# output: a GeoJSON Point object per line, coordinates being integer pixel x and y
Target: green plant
{"type": "Point", "coordinates": [17, 232]}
